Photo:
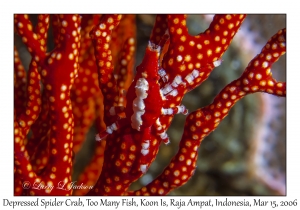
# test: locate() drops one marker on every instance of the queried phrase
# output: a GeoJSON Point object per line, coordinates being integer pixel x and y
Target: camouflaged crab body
{"type": "Point", "coordinates": [144, 100]}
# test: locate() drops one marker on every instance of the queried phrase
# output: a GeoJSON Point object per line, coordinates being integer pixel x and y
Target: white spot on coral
{"type": "Point", "coordinates": [63, 88]}
{"type": "Point", "coordinates": [179, 58]}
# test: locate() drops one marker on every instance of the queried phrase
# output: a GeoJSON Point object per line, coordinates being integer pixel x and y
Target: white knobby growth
{"type": "Point", "coordinates": [138, 104]}
{"type": "Point", "coordinates": [145, 147]}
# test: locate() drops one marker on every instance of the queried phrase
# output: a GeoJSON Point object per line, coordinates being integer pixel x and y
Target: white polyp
{"type": "Point", "coordinates": [138, 104]}
{"type": "Point", "coordinates": [282, 44]}
{"type": "Point", "coordinates": [179, 58]}
{"type": "Point", "coordinates": [265, 64]}
{"type": "Point", "coordinates": [217, 63]}
{"type": "Point", "coordinates": [112, 111]}
{"type": "Point", "coordinates": [143, 168]}
{"type": "Point", "coordinates": [102, 26]}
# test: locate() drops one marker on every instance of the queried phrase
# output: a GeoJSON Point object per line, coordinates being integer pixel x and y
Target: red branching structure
{"type": "Point", "coordinates": [83, 80]}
